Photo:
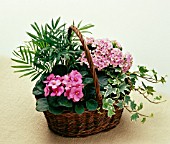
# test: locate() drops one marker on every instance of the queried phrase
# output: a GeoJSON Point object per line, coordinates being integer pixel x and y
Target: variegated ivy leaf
{"type": "Point", "coordinates": [111, 111]}
{"type": "Point", "coordinates": [134, 117]}
{"type": "Point", "coordinates": [133, 105]}
{"type": "Point", "coordinates": [107, 102]}
{"type": "Point", "coordinates": [109, 90]}
{"type": "Point", "coordinates": [108, 105]}
{"type": "Point", "coordinates": [120, 104]}
{"type": "Point", "coordinates": [124, 87]}
{"type": "Point", "coordinates": [122, 77]}
{"type": "Point", "coordinates": [127, 99]}
{"type": "Point", "coordinates": [140, 106]}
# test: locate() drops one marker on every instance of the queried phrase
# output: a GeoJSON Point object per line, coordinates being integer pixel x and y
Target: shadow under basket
{"type": "Point", "coordinates": [81, 125]}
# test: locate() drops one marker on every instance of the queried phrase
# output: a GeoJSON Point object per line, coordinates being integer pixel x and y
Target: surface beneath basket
{"type": "Point", "coordinates": [20, 123]}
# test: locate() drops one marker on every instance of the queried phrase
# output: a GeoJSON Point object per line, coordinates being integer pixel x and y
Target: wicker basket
{"type": "Point", "coordinates": [90, 122]}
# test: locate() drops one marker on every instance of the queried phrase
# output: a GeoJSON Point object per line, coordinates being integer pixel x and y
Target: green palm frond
{"type": "Point", "coordinates": [49, 46]}
{"type": "Point", "coordinates": [24, 59]}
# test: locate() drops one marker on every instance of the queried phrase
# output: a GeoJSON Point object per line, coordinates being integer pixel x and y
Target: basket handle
{"type": "Point", "coordinates": [89, 59]}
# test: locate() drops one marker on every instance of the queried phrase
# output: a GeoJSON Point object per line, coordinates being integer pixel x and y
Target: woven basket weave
{"type": "Point", "coordinates": [90, 122]}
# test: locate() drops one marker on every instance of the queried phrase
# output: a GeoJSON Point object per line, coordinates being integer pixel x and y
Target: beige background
{"type": "Point", "coordinates": [20, 123]}
{"type": "Point", "coordinates": [141, 26]}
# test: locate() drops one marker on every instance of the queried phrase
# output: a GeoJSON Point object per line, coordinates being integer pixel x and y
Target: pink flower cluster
{"type": "Point", "coordinates": [70, 84]}
{"type": "Point", "coordinates": [104, 55]}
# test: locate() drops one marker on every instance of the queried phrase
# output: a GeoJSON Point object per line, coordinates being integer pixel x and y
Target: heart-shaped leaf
{"type": "Point", "coordinates": [55, 110]}
{"type": "Point", "coordinates": [42, 105]}
{"type": "Point", "coordinates": [91, 104]}
{"type": "Point", "coordinates": [79, 108]}
{"type": "Point", "coordinates": [63, 101]}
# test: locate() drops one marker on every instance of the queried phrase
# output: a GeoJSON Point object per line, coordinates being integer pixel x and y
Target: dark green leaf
{"type": "Point", "coordinates": [87, 80]}
{"type": "Point", "coordinates": [91, 104]}
{"type": "Point", "coordinates": [29, 73]}
{"type": "Point", "coordinates": [32, 36]}
{"type": "Point", "coordinates": [133, 105]}
{"type": "Point", "coordinates": [133, 76]}
{"type": "Point", "coordinates": [120, 104]}
{"type": "Point", "coordinates": [134, 117]}
{"type": "Point", "coordinates": [103, 80]}
{"type": "Point", "coordinates": [24, 70]}
{"type": "Point", "coordinates": [122, 77]}
{"type": "Point", "coordinates": [16, 54]}
{"type": "Point", "coordinates": [143, 70]}
{"type": "Point", "coordinates": [150, 90]}
{"type": "Point", "coordinates": [79, 108]}
{"type": "Point", "coordinates": [86, 27]}
{"type": "Point", "coordinates": [155, 74]}
{"type": "Point", "coordinates": [19, 61]}
{"type": "Point", "coordinates": [84, 73]}
{"type": "Point", "coordinates": [63, 101]}
{"type": "Point", "coordinates": [124, 87]}
{"type": "Point", "coordinates": [42, 105]}
{"type": "Point", "coordinates": [140, 106]}
{"type": "Point", "coordinates": [55, 110]}
{"type": "Point", "coordinates": [36, 76]}
{"type": "Point", "coordinates": [127, 99]}
{"type": "Point", "coordinates": [52, 23]}
{"type": "Point", "coordinates": [144, 85]}
{"type": "Point", "coordinates": [158, 97]}
{"type": "Point", "coordinates": [21, 66]}
{"type": "Point", "coordinates": [36, 28]}
{"type": "Point", "coordinates": [22, 53]}
{"type": "Point", "coordinates": [163, 80]}
{"type": "Point", "coordinates": [143, 120]}
{"type": "Point", "coordinates": [86, 32]}
{"type": "Point", "coordinates": [38, 89]}
{"type": "Point", "coordinates": [53, 101]}
{"type": "Point", "coordinates": [79, 24]}
{"type": "Point", "coordinates": [56, 23]}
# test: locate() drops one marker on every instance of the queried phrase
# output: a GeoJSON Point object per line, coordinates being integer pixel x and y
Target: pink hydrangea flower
{"type": "Point", "coordinates": [105, 55]}
{"type": "Point", "coordinates": [58, 91]}
{"type": "Point", "coordinates": [89, 40]}
{"type": "Point", "coordinates": [128, 60]}
{"type": "Point", "coordinates": [116, 57]}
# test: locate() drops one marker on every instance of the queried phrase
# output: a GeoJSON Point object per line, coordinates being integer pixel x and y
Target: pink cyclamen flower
{"type": "Point", "coordinates": [75, 77]}
{"type": "Point", "coordinates": [76, 94]}
{"type": "Point", "coordinates": [65, 79]}
{"type": "Point", "coordinates": [54, 84]}
{"type": "Point", "coordinates": [58, 91]}
{"type": "Point", "coordinates": [46, 91]}
{"type": "Point", "coordinates": [67, 93]}
{"type": "Point", "coordinates": [49, 78]}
